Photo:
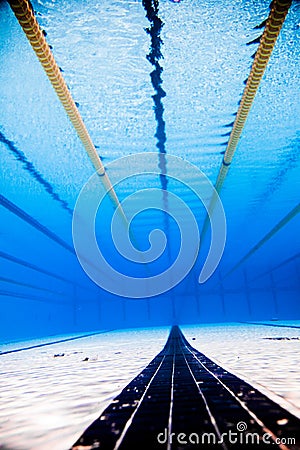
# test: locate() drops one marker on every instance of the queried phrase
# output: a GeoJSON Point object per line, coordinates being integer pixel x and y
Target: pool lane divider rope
{"type": "Point", "coordinates": [278, 266]}
{"type": "Point", "coordinates": [28, 265]}
{"type": "Point", "coordinates": [13, 208]}
{"type": "Point", "coordinates": [279, 10]}
{"type": "Point", "coordinates": [10, 206]}
{"type": "Point", "coordinates": [32, 297]}
{"type": "Point", "coordinates": [36, 175]}
{"type": "Point", "coordinates": [266, 238]}
{"type": "Point", "coordinates": [33, 32]}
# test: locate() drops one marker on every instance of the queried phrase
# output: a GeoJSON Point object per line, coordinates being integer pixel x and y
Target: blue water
{"type": "Point", "coordinates": [157, 77]}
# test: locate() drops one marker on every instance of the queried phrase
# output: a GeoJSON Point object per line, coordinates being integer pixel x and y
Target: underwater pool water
{"type": "Point", "coordinates": [159, 83]}
{"type": "Point", "coordinates": [157, 77]}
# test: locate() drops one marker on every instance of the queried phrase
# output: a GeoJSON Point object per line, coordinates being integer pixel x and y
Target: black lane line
{"type": "Point", "coordinates": [183, 391]}
{"type": "Point", "coordinates": [171, 388]}
{"type": "Point", "coordinates": [10, 206]}
{"type": "Point", "coordinates": [272, 325]}
{"type": "Point", "coordinates": [108, 427]}
{"type": "Point", "coordinates": [259, 408]}
{"type": "Point", "coordinates": [189, 417]}
{"type": "Point", "coordinates": [54, 342]}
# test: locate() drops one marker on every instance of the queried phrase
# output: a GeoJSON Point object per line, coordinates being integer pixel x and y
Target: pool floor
{"type": "Point", "coordinates": [51, 394]}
